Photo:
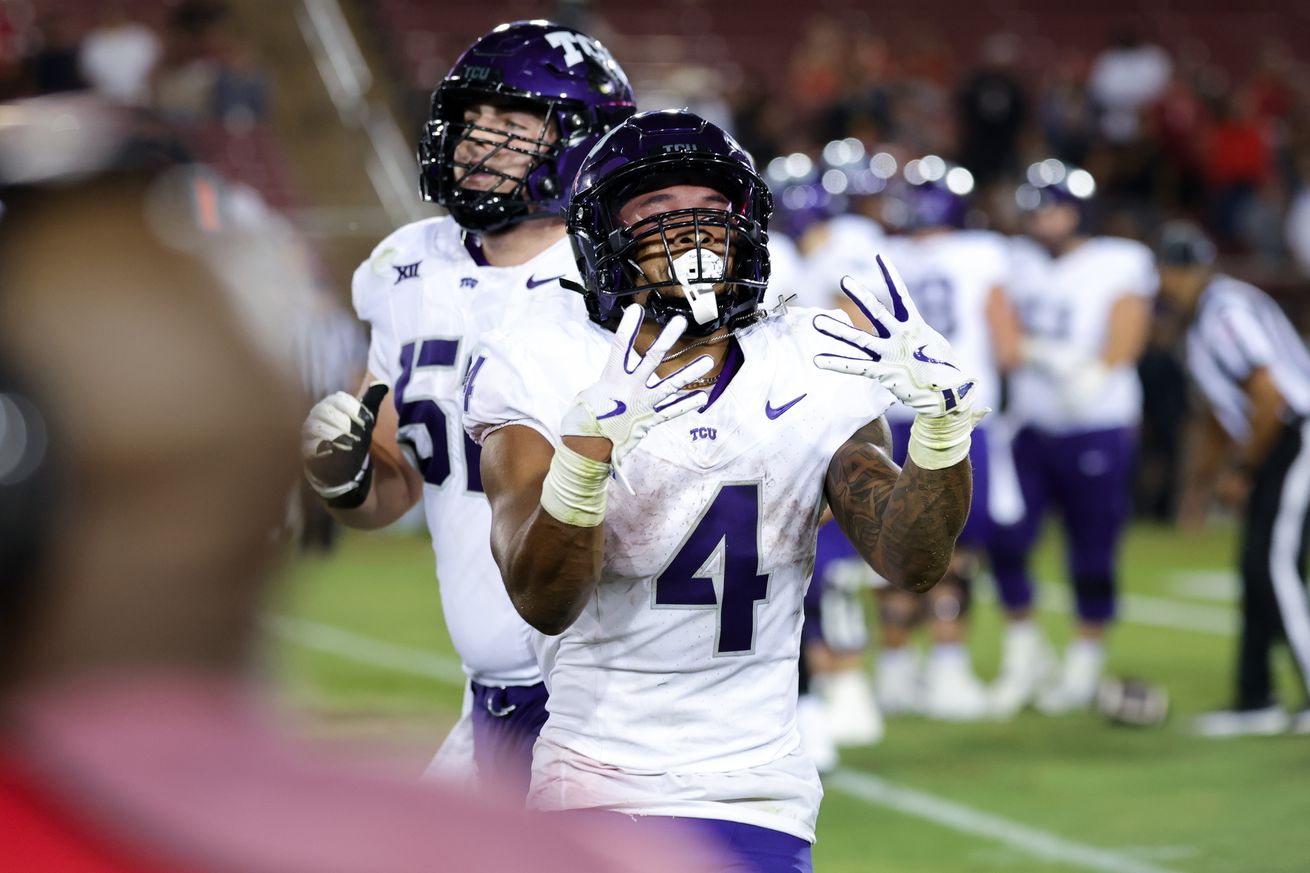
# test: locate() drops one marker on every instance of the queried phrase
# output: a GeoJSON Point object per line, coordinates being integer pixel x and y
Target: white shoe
{"type": "Point", "coordinates": [896, 684]}
{"type": "Point", "coordinates": [1076, 683]}
{"type": "Point", "coordinates": [816, 736]}
{"type": "Point", "coordinates": [1225, 723]}
{"type": "Point", "coordinates": [1301, 722]}
{"type": "Point", "coordinates": [951, 691]}
{"type": "Point", "coordinates": [1027, 664]}
{"type": "Point", "coordinates": [853, 715]}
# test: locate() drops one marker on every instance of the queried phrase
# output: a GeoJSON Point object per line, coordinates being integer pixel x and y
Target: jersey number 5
{"type": "Point", "coordinates": [423, 423]}
{"type": "Point", "coordinates": [718, 567]}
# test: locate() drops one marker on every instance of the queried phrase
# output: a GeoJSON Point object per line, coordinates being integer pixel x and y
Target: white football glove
{"type": "Point", "coordinates": [334, 443]}
{"type": "Point", "coordinates": [912, 361]}
{"type": "Point", "coordinates": [624, 405]}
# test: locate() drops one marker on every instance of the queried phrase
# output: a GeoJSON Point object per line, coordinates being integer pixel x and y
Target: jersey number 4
{"type": "Point", "coordinates": [423, 423]}
{"type": "Point", "coordinates": [718, 567]}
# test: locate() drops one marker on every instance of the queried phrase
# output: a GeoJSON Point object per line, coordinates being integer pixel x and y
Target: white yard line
{"type": "Point", "coordinates": [1141, 609]}
{"type": "Point", "coordinates": [1219, 586]}
{"type": "Point", "coordinates": [857, 784]}
{"type": "Point", "coordinates": [1031, 841]}
{"type": "Point", "coordinates": [367, 650]}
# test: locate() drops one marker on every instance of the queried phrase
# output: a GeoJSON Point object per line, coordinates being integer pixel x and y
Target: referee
{"type": "Point", "coordinates": [1254, 370]}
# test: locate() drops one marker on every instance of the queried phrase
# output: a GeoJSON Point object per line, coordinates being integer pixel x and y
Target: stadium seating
{"type": "Point", "coordinates": [761, 42]}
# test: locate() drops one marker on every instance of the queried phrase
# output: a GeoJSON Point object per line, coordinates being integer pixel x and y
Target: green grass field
{"type": "Point", "coordinates": [358, 643]}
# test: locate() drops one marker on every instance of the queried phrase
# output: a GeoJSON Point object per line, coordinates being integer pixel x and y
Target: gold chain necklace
{"type": "Point", "coordinates": [703, 382]}
{"type": "Point", "coordinates": [705, 342]}
{"type": "Point", "coordinates": [707, 381]}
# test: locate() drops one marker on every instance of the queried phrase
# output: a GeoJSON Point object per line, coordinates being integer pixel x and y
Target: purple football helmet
{"type": "Point", "coordinates": [657, 150]}
{"type": "Point", "coordinates": [800, 201]}
{"type": "Point", "coordinates": [1052, 182]}
{"type": "Point", "coordinates": [934, 194]}
{"type": "Point", "coordinates": [540, 67]}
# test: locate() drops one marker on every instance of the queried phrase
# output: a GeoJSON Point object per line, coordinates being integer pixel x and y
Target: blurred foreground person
{"type": "Point", "coordinates": [1255, 372]}
{"type": "Point", "coordinates": [138, 542]}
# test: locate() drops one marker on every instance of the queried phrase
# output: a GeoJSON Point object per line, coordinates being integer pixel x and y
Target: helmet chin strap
{"type": "Point", "coordinates": [688, 268]}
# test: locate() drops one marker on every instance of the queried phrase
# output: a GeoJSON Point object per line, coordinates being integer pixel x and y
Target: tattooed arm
{"type": "Point", "coordinates": [903, 521]}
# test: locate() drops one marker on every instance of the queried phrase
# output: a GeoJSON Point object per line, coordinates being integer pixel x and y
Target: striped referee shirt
{"type": "Point", "coordinates": [1237, 330]}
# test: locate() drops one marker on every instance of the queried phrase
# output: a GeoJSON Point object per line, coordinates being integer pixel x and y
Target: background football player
{"type": "Point", "coordinates": [672, 597]}
{"type": "Point", "coordinates": [826, 205]}
{"type": "Point", "coordinates": [956, 278]}
{"type": "Point", "coordinates": [1085, 303]}
{"type": "Point", "coordinates": [509, 126]}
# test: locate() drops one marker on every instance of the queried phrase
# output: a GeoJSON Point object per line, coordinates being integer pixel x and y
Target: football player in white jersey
{"type": "Point", "coordinates": [956, 278]}
{"type": "Point", "coordinates": [670, 599]}
{"type": "Point", "coordinates": [1085, 303]}
{"type": "Point", "coordinates": [509, 126]}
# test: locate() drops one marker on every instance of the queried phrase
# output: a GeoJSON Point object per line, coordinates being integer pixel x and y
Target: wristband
{"type": "Point", "coordinates": [575, 488]}
{"type": "Point", "coordinates": [940, 441]}
{"type": "Point", "coordinates": [348, 495]}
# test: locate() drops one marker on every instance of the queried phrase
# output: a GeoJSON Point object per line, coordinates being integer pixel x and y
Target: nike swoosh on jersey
{"type": "Point", "coordinates": [534, 282]}
{"type": "Point", "coordinates": [619, 408]}
{"type": "Point", "coordinates": [773, 412]}
{"type": "Point", "coordinates": [920, 356]}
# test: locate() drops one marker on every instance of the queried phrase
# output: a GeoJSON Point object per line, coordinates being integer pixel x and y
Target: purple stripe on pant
{"type": "Point", "coordinates": [978, 526]}
{"type": "Point", "coordinates": [506, 722]}
{"type": "Point", "coordinates": [742, 848]}
{"type": "Point", "coordinates": [1085, 476]}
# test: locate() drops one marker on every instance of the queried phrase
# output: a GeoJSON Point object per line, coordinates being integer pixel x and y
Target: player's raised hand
{"type": "Point", "coordinates": [913, 361]}
{"type": "Point", "coordinates": [334, 443]}
{"type": "Point", "coordinates": [625, 404]}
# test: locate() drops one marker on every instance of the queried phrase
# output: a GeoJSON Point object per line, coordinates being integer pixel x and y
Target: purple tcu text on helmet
{"type": "Point", "coordinates": [657, 150]}
{"type": "Point", "coordinates": [540, 67]}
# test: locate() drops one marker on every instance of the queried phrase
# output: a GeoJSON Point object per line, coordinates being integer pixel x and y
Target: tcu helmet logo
{"type": "Point", "coordinates": [678, 148]}
{"type": "Point", "coordinates": [704, 433]}
{"type": "Point", "coordinates": [575, 44]}
{"type": "Point", "coordinates": [479, 74]}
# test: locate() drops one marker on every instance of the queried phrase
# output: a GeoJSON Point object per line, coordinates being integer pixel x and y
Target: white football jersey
{"type": "Point", "coordinates": [674, 692]}
{"type": "Point", "coordinates": [786, 273]}
{"type": "Point", "coordinates": [950, 277]}
{"type": "Point", "coordinates": [848, 245]}
{"type": "Point", "coordinates": [426, 298]}
{"type": "Point", "coordinates": [1067, 300]}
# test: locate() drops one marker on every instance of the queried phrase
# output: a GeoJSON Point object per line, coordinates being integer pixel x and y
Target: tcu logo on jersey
{"type": "Point", "coordinates": [703, 433]}
{"type": "Point", "coordinates": [468, 282]}
{"type": "Point", "coordinates": [575, 44]}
